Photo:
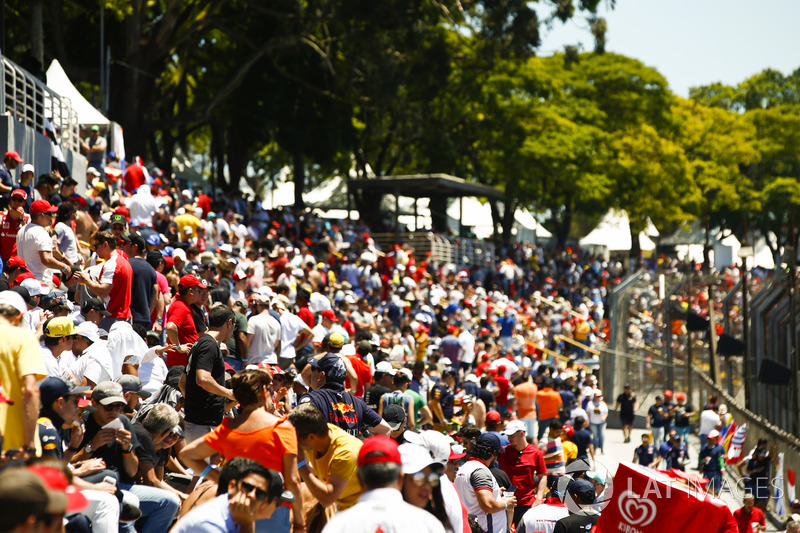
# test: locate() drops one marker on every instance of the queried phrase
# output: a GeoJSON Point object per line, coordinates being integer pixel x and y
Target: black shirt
{"type": "Point", "coordinates": [657, 416]}
{"type": "Point", "coordinates": [201, 407]}
{"type": "Point", "coordinates": [374, 395]}
{"type": "Point", "coordinates": [576, 523]}
{"type": "Point", "coordinates": [681, 420]}
{"type": "Point", "coordinates": [51, 434]}
{"type": "Point", "coordinates": [488, 398]}
{"type": "Point", "coordinates": [442, 393]}
{"type": "Point", "coordinates": [626, 403]}
{"type": "Point", "coordinates": [147, 450]}
{"type": "Point", "coordinates": [111, 453]}
{"type": "Point", "coordinates": [144, 279]}
{"type": "Point", "coordinates": [582, 438]}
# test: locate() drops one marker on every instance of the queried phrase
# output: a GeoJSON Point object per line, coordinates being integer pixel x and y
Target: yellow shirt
{"type": "Point", "coordinates": [340, 461]}
{"type": "Point", "coordinates": [570, 450]}
{"type": "Point", "coordinates": [187, 220]}
{"type": "Point", "coordinates": [19, 356]}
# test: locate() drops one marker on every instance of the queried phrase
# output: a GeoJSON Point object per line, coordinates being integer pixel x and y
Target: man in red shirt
{"type": "Point", "coordinates": [525, 467]}
{"type": "Point", "coordinates": [304, 312]}
{"type": "Point", "coordinates": [362, 368]}
{"type": "Point", "coordinates": [10, 222]}
{"type": "Point", "coordinates": [134, 175]}
{"type": "Point", "coordinates": [181, 329]}
{"type": "Point", "coordinates": [115, 281]}
{"type": "Point", "coordinates": [748, 515]}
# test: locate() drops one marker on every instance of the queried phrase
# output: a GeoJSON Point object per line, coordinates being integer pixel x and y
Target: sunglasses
{"type": "Point", "coordinates": [261, 494]}
{"type": "Point", "coordinates": [114, 407]}
{"type": "Point", "coordinates": [17, 199]}
{"type": "Point", "coordinates": [421, 478]}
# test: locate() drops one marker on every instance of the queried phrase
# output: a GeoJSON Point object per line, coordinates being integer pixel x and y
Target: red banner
{"type": "Point", "coordinates": [651, 501]}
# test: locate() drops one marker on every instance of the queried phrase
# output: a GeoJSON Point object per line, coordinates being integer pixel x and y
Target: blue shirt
{"type": "Point", "coordinates": [507, 324]}
{"type": "Point", "coordinates": [214, 516]}
{"type": "Point", "coordinates": [341, 408]}
{"type": "Point", "coordinates": [714, 453]}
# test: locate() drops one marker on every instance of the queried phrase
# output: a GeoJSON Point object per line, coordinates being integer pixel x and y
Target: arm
{"type": "Point", "coordinates": [436, 409]}
{"type": "Point", "coordinates": [427, 416]}
{"type": "Point", "coordinates": [243, 344]}
{"type": "Point", "coordinates": [149, 478]}
{"type": "Point", "coordinates": [382, 429]}
{"type": "Point", "coordinates": [172, 333]}
{"type": "Point", "coordinates": [303, 338]}
{"type": "Point", "coordinates": [207, 382]}
{"type": "Point", "coordinates": [101, 290]}
{"type": "Point", "coordinates": [489, 505]}
{"type": "Point", "coordinates": [30, 406]}
{"type": "Point", "coordinates": [292, 482]}
{"type": "Point", "coordinates": [325, 493]}
{"type": "Point", "coordinates": [193, 456]}
{"type": "Point", "coordinates": [541, 490]}
{"type": "Point", "coordinates": [410, 416]}
{"type": "Point", "coordinates": [51, 262]}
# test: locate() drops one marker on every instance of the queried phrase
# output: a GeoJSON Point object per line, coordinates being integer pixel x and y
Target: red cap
{"type": "Point", "coordinates": [451, 329]}
{"type": "Point", "coordinates": [493, 416]}
{"type": "Point", "coordinates": [189, 281]}
{"type": "Point", "coordinates": [157, 182]}
{"type": "Point", "coordinates": [569, 430]}
{"type": "Point", "coordinates": [16, 261]}
{"type": "Point", "coordinates": [19, 192]}
{"type": "Point", "coordinates": [229, 368]}
{"type": "Point", "coordinates": [667, 393]}
{"type": "Point", "coordinates": [379, 449]}
{"type": "Point", "coordinates": [55, 481]}
{"type": "Point", "coordinates": [456, 456]}
{"type": "Point", "coordinates": [239, 276]}
{"type": "Point", "coordinates": [15, 156]}
{"type": "Point", "coordinates": [42, 206]}
{"type": "Point", "coordinates": [330, 315]}
{"type": "Point", "coordinates": [485, 357]}
{"type": "Point", "coordinates": [680, 396]}
{"type": "Point", "coordinates": [120, 210]}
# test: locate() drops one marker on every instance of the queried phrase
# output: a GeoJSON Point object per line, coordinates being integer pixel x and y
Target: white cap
{"type": "Point", "coordinates": [436, 445]}
{"type": "Point", "coordinates": [13, 299]}
{"type": "Point", "coordinates": [33, 287]}
{"type": "Point", "coordinates": [386, 367]}
{"type": "Point", "coordinates": [414, 457]}
{"type": "Point", "coordinates": [713, 434]}
{"type": "Point", "coordinates": [89, 330]}
{"type": "Point", "coordinates": [27, 167]}
{"type": "Point", "coordinates": [178, 253]}
{"type": "Point", "coordinates": [515, 426]}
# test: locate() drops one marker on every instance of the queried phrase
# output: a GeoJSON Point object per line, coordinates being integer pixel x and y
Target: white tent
{"type": "Point", "coordinates": [612, 233]}
{"type": "Point", "coordinates": [58, 81]}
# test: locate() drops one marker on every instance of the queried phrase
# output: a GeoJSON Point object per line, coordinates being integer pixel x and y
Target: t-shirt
{"type": "Point", "coordinates": [582, 438]}
{"type": "Point", "coordinates": [626, 403]}
{"type": "Point", "coordinates": [144, 279]}
{"type": "Point", "coordinates": [111, 453]}
{"type": "Point", "coordinates": [397, 398]}
{"type": "Point", "coordinates": [442, 393]}
{"type": "Point", "coordinates": [31, 240]}
{"type": "Point", "coordinates": [714, 454]}
{"type": "Point", "coordinates": [681, 420]}
{"type": "Point", "coordinates": [467, 342]}
{"type": "Point", "coordinates": [597, 412]}
{"type": "Point", "coordinates": [146, 452]}
{"type": "Point", "coordinates": [241, 327]}
{"type": "Point", "coordinates": [363, 373]}
{"type": "Point", "coordinates": [709, 420]}
{"type": "Point", "coordinates": [450, 347]}
{"type": "Point", "coordinates": [118, 273]}
{"type": "Point", "coordinates": [202, 407]}
{"type": "Point", "coordinates": [342, 409]}
{"type": "Point", "coordinates": [542, 518]}
{"type": "Point", "coordinates": [657, 415]}
{"type": "Point", "coordinates": [266, 331]}
{"type": "Point", "coordinates": [134, 177]}
{"type": "Point", "coordinates": [267, 445]}
{"type": "Point", "coordinates": [549, 402]}
{"type": "Point", "coordinates": [67, 242]}
{"type": "Point", "coordinates": [374, 394]}
{"type": "Point", "coordinates": [745, 519]}
{"type": "Point", "coordinates": [340, 460]}
{"type": "Point", "coordinates": [645, 454]}
{"type": "Point", "coordinates": [417, 405]}
{"type": "Point", "coordinates": [180, 314]}
{"type": "Point", "coordinates": [291, 325]}
{"type": "Point", "coordinates": [9, 227]}
{"type": "Point", "coordinates": [523, 468]}
{"type": "Point", "coordinates": [576, 522]}
{"type": "Point", "coordinates": [19, 356]}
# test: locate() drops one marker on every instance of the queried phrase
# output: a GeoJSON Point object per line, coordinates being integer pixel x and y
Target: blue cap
{"type": "Point", "coordinates": [582, 487]}
{"type": "Point", "coordinates": [489, 440]}
{"type": "Point", "coordinates": [153, 239]}
{"type": "Point", "coordinates": [332, 365]}
{"type": "Point", "coordinates": [53, 388]}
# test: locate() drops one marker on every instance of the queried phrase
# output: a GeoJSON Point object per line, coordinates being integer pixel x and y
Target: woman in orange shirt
{"type": "Point", "coordinates": [256, 434]}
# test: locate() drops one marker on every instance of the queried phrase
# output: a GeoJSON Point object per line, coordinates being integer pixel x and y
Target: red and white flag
{"type": "Point", "coordinates": [735, 449]}
{"type": "Point", "coordinates": [789, 484]}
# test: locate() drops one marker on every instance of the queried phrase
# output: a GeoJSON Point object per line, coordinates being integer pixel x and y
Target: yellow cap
{"type": "Point", "coordinates": [60, 326]}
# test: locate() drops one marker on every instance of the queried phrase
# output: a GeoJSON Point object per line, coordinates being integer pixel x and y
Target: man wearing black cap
{"type": "Point", "coordinates": [94, 310]}
{"type": "Point", "coordinates": [144, 287]}
{"type": "Point", "coordinates": [339, 406]}
{"type": "Point", "coordinates": [479, 490]}
{"type": "Point", "coordinates": [441, 399]}
{"type": "Point", "coordinates": [582, 515]}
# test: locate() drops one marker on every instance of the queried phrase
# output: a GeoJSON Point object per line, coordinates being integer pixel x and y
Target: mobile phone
{"type": "Point", "coordinates": [111, 480]}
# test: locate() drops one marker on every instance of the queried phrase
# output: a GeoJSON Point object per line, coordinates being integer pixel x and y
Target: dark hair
{"type": "Point", "coordinates": [482, 452]}
{"type": "Point", "coordinates": [192, 250]}
{"type": "Point", "coordinates": [107, 237]}
{"type": "Point", "coordinates": [556, 423]}
{"type": "Point", "coordinates": [579, 422]}
{"type": "Point", "coordinates": [469, 432]}
{"type": "Point", "coordinates": [245, 385]}
{"type": "Point", "coordinates": [308, 420]}
{"type": "Point", "coordinates": [154, 258]}
{"type": "Point", "coordinates": [219, 315]}
{"type": "Point", "coordinates": [378, 475]}
{"type": "Point", "coordinates": [239, 468]}
{"type": "Point", "coordinates": [399, 379]}
{"type": "Point", "coordinates": [65, 212]}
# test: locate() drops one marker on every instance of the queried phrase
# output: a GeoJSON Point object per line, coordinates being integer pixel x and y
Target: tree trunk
{"type": "Point", "coordinates": [508, 220]}
{"type": "Point", "coordinates": [707, 246]}
{"type": "Point", "coordinates": [299, 170]}
{"type": "Point", "coordinates": [37, 34]}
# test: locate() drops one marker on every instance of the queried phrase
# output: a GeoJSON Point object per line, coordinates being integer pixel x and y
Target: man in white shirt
{"type": "Point", "coordinates": [93, 361]}
{"type": "Point", "coordinates": [263, 332]}
{"type": "Point", "coordinates": [142, 206]}
{"type": "Point", "coordinates": [56, 350]}
{"type": "Point", "coordinates": [709, 421]}
{"type": "Point", "coordinates": [35, 245]}
{"type": "Point", "coordinates": [381, 506]}
{"type": "Point", "coordinates": [466, 355]}
{"type": "Point", "coordinates": [295, 334]}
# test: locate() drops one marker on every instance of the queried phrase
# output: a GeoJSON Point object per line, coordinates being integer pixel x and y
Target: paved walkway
{"type": "Point", "coordinates": [617, 451]}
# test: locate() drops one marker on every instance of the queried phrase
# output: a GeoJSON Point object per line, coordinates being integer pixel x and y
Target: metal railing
{"type": "Point", "coordinates": [458, 251]}
{"type": "Point", "coordinates": [31, 102]}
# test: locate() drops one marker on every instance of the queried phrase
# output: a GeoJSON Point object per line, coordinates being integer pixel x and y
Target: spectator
{"type": "Point", "coordinates": [56, 352]}
{"type": "Point", "coordinates": [526, 468]}
{"type": "Point", "coordinates": [598, 414]}
{"type": "Point", "coordinates": [709, 421]}
{"type": "Point", "coordinates": [114, 280]}
{"type": "Point", "coordinates": [657, 421]}
{"type": "Point", "coordinates": [750, 518]}
{"type": "Point", "coordinates": [712, 461]}
{"type": "Point", "coordinates": [583, 495]}
{"type": "Point", "coordinates": [11, 221]}
{"type": "Point", "coordinates": [263, 332]}
{"type": "Point", "coordinates": [94, 147]}
{"type": "Point", "coordinates": [295, 335]}
{"type": "Point", "coordinates": [627, 405]}
{"type": "Point", "coordinates": [60, 400]}
{"type": "Point", "coordinates": [11, 161]}
{"type": "Point", "coordinates": [27, 504]}
{"type": "Point", "coordinates": [548, 403]}
{"type": "Point", "coordinates": [645, 454]}
{"type": "Point", "coordinates": [35, 245]}
{"type": "Point", "coordinates": [94, 310]}
{"type": "Point", "coordinates": [11, 270]}
{"type": "Point", "coordinates": [181, 328]}
{"type": "Point", "coordinates": [93, 360]}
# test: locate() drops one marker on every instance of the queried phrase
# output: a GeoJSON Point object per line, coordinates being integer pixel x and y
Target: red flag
{"type": "Point", "coordinates": [651, 501]}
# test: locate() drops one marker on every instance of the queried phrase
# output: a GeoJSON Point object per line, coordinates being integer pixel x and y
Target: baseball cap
{"type": "Point", "coordinates": [239, 275]}
{"type": "Point", "coordinates": [117, 218]}
{"type": "Point", "coordinates": [330, 315]}
{"type": "Point", "coordinates": [713, 434]}
{"type": "Point", "coordinates": [132, 384]}
{"type": "Point", "coordinates": [332, 365]}
{"type": "Point", "coordinates": [394, 416]}
{"type": "Point", "coordinates": [582, 487]}
{"type": "Point", "coordinates": [668, 393]}
{"type": "Point", "coordinates": [379, 449]}
{"type": "Point", "coordinates": [19, 192]}
{"type": "Point", "coordinates": [386, 368]}
{"type": "Point", "coordinates": [153, 239]}
{"type": "Point", "coordinates": [108, 392]}
{"type": "Point", "coordinates": [23, 494]}
{"type": "Point", "coordinates": [94, 304]}
{"type": "Point", "coordinates": [415, 458]}
{"type": "Point", "coordinates": [14, 299]}
{"type": "Point", "coordinates": [568, 429]}
{"type": "Point", "coordinates": [16, 261]}
{"type": "Point", "coordinates": [60, 326]}
{"type": "Point", "coordinates": [336, 340]}
{"type": "Point", "coordinates": [493, 417]}
{"type": "Point", "coordinates": [515, 426]}
{"type": "Point", "coordinates": [88, 330]}
{"type": "Point", "coordinates": [14, 155]}
{"type": "Point", "coordinates": [95, 128]}
{"type": "Point", "coordinates": [490, 441]}
{"type": "Point", "coordinates": [680, 395]}
{"type": "Point", "coordinates": [33, 286]}
{"type": "Point", "coordinates": [457, 452]}
{"type": "Point", "coordinates": [52, 388]}
{"type": "Point", "coordinates": [28, 168]}
{"type": "Point", "coordinates": [42, 206]}
{"type": "Point", "coordinates": [436, 444]}
{"type": "Point", "coordinates": [189, 281]}
{"type": "Point", "coordinates": [57, 485]}
{"type": "Point", "coordinates": [179, 253]}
